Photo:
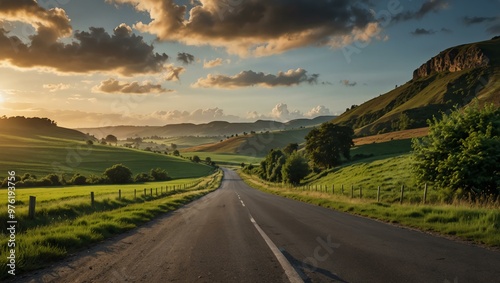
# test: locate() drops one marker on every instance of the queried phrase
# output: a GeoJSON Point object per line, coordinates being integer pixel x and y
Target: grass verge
{"type": "Point", "coordinates": [478, 225]}
{"type": "Point", "coordinates": [40, 246]}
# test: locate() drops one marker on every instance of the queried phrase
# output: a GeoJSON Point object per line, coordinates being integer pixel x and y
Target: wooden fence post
{"type": "Point", "coordinates": [342, 189]}
{"type": "Point", "coordinates": [145, 192]}
{"type": "Point", "coordinates": [31, 212]}
{"type": "Point", "coordinates": [402, 194]}
{"type": "Point", "coordinates": [156, 191]}
{"type": "Point", "coordinates": [119, 194]}
{"type": "Point", "coordinates": [333, 189]}
{"type": "Point", "coordinates": [352, 191]}
{"type": "Point", "coordinates": [151, 191]}
{"type": "Point", "coordinates": [378, 194]}
{"type": "Point", "coordinates": [135, 193]}
{"type": "Point", "coordinates": [92, 199]}
{"type": "Point", "coordinates": [425, 193]}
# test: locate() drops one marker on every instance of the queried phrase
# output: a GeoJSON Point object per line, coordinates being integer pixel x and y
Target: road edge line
{"type": "Point", "coordinates": [290, 272]}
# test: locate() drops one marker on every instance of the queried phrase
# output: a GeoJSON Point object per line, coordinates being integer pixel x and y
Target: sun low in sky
{"type": "Point", "coordinates": [149, 62]}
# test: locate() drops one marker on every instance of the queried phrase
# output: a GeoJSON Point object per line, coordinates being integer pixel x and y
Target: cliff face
{"type": "Point", "coordinates": [453, 60]}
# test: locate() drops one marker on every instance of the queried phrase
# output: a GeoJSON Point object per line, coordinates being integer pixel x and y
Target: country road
{"type": "Point", "coordinates": [239, 234]}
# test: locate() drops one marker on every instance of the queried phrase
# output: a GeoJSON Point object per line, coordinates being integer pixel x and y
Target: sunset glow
{"type": "Point", "coordinates": [90, 63]}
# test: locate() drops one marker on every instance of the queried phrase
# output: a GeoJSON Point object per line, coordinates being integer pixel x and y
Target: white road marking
{"type": "Point", "coordinates": [290, 272]}
{"type": "Point", "coordinates": [242, 203]}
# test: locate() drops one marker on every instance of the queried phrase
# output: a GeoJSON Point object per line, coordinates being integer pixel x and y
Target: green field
{"type": "Point", "coordinates": [66, 221]}
{"type": "Point", "coordinates": [224, 159]}
{"type": "Point", "coordinates": [42, 155]}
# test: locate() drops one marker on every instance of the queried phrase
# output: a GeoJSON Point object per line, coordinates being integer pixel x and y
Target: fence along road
{"type": "Point", "coordinates": [232, 235]}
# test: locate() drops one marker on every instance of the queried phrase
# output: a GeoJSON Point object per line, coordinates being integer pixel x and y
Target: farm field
{"type": "Point", "coordinates": [42, 155]}
{"type": "Point", "coordinates": [65, 220]}
{"type": "Point", "coordinates": [225, 158]}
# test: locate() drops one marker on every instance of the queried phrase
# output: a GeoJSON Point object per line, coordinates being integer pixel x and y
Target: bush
{"type": "Point", "coordinates": [295, 169]}
{"type": "Point", "coordinates": [78, 179]}
{"type": "Point", "coordinates": [118, 174]}
{"type": "Point", "coordinates": [462, 152]}
{"type": "Point", "coordinates": [159, 174]}
{"type": "Point", "coordinates": [142, 177]}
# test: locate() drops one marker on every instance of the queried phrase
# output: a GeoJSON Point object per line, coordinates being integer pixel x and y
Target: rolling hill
{"type": "Point", "coordinates": [38, 146]}
{"type": "Point", "coordinates": [216, 128]}
{"type": "Point", "coordinates": [452, 78]}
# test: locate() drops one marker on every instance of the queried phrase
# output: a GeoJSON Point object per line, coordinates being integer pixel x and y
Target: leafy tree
{"type": "Point", "coordinates": [176, 153]}
{"type": "Point", "coordinates": [271, 166]}
{"type": "Point", "coordinates": [196, 159]}
{"type": "Point", "coordinates": [159, 174]}
{"type": "Point", "coordinates": [208, 160]}
{"type": "Point", "coordinates": [327, 144]}
{"type": "Point", "coordinates": [462, 152]}
{"type": "Point", "coordinates": [89, 142]}
{"type": "Point", "coordinates": [295, 169]}
{"type": "Point", "coordinates": [118, 174]}
{"type": "Point", "coordinates": [111, 139]}
{"type": "Point", "coordinates": [290, 148]}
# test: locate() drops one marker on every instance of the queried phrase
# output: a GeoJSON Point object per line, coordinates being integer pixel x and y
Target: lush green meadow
{"type": "Point", "coordinates": [42, 155]}
{"type": "Point", "coordinates": [65, 220]}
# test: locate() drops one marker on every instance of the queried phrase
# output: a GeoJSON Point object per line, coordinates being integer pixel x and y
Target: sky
{"type": "Point", "coordinates": [98, 63]}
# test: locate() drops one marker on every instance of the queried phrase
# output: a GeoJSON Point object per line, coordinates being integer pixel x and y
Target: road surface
{"type": "Point", "coordinates": [239, 234]}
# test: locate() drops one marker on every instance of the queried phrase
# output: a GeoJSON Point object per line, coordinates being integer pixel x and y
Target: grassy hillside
{"type": "Point", "coordinates": [410, 105]}
{"type": "Point", "coordinates": [54, 152]}
{"type": "Point", "coordinates": [255, 144]}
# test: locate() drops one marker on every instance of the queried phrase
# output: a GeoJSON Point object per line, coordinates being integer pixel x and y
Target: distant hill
{"type": "Point", "coordinates": [454, 77]}
{"type": "Point", "coordinates": [216, 128]}
{"type": "Point", "coordinates": [38, 146]}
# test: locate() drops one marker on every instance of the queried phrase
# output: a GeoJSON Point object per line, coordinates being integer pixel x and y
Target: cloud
{"type": "Point", "coordinates": [251, 78]}
{"type": "Point", "coordinates": [429, 6]}
{"type": "Point", "coordinates": [214, 63]}
{"type": "Point", "coordinates": [348, 83]}
{"type": "Point", "coordinates": [319, 110]}
{"type": "Point", "coordinates": [478, 20]}
{"type": "Point", "coordinates": [422, 31]}
{"type": "Point", "coordinates": [256, 27]}
{"type": "Point", "coordinates": [174, 72]}
{"type": "Point", "coordinates": [113, 86]}
{"type": "Point", "coordinates": [123, 52]}
{"type": "Point", "coordinates": [281, 112]}
{"type": "Point", "coordinates": [185, 58]}
{"type": "Point", "coordinates": [56, 87]}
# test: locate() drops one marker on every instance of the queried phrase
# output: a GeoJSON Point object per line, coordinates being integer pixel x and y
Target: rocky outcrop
{"type": "Point", "coordinates": [453, 60]}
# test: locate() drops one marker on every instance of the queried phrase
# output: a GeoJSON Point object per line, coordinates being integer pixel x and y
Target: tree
{"type": "Point", "coordinates": [290, 148]}
{"type": "Point", "coordinates": [295, 169]}
{"type": "Point", "coordinates": [327, 144]}
{"type": "Point", "coordinates": [176, 153]}
{"type": "Point", "coordinates": [208, 160]}
{"type": "Point", "coordinates": [462, 152]}
{"type": "Point", "coordinates": [78, 179]}
{"type": "Point", "coordinates": [118, 174]}
{"type": "Point", "coordinates": [89, 142]}
{"type": "Point", "coordinates": [111, 139]}
{"type": "Point", "coordinates": [142, 177]}
{"type": "Point", "coordinates": [196, 159]}
{"type": "Point", "coordinates": [271, 166]}
{"type": "Point", "coordinates": [159, 174]}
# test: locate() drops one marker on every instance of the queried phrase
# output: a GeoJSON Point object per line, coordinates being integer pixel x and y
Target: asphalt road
{"type": "Point", "coordinates": [239, 234]}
